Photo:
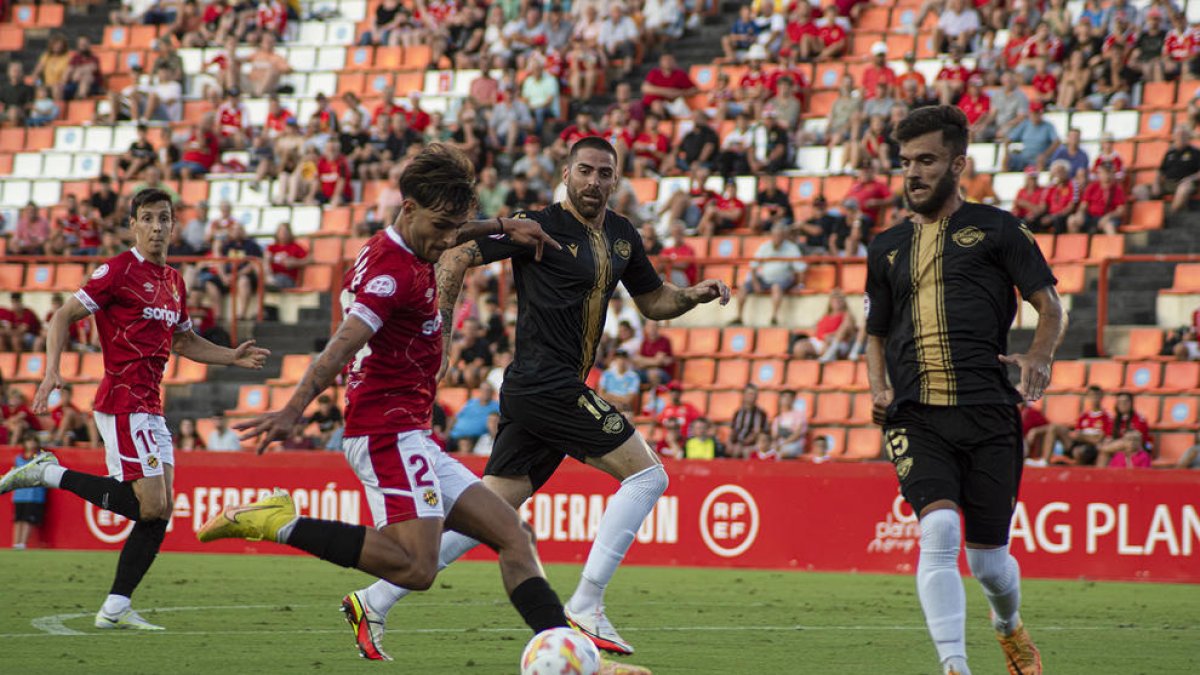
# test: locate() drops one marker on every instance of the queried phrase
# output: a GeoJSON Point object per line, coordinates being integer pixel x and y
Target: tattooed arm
{"type": "Point", "coordinates": [669, 301]}
{"type": "Point", "coordinates": [350, 337]}
{"type": "Point", "coordinates": [451, 270]}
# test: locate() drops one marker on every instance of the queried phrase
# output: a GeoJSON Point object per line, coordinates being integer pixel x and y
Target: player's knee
{"type": "Point", "coordinates": [420, 576]}
{"type": "Point", "coordinates": [155, 510]}
{"type": "Point", "coordinates": [654, 480]}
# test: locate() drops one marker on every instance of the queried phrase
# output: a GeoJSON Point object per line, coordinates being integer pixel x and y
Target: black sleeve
{"type": "Point", "coordinates": [499, 246]}
{"type": "Point", "coordinates": [878, 299]}
{"type": "Point", "coordinates": [1022, 259]}
{"type": "Point", "coordinates": [640, 277]}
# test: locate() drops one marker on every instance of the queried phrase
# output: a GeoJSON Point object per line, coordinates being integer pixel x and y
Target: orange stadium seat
{"type": "Point", "coordinates": [68, 364]}
{"type": "Point", "coordinates": [326, 250]}
{"type": "Point", "coordinates": [1156, 123]}
{"type": "Point", "coordinates": [39, 277]}
{"type": "Point", "coordinates": [12, 275]}
{"type": "Point", "coordinates": [1158, 94]}
{"type": "Point", "coordinates": [91, 368]}
{"type": "Point", "coordinates": [838, 375]}
{"type": "Point", "coordinates": [833, 407]}
{"type": "Point", "coordinates": [1144, 343]}
{"type": "Point", "coordinates": [1187, 278]}
{"type": "Point", "coordinates": [803, 374]}
{"type": "Point", "coordinates": [453, 398]}
{"type": "Point", "coordinates": [1148, 407]}
{"type": "Point", "coordinates": [699, 372]}
{"type": "Point", "coordinates": [725, 247]}
{"type": "Point", "coordinates": [1171, 448]}
{"type": "Point", "coordinates": [820, 278]}
{"type": "Point", "coordinates": [1149, 154]}
{"type": "Point", "coordinates": [732, 374]}
{"type": "Point", "coordinates": [860, 408]}
{"type": "Point", "coordinates": [12, 38]}
{"type": "Point", "coordinates": [1045, 242]}
{"type": "Point", "coordinates": [768, 373]}
{"type": "Point", "coordinates": [863, 444]}
{"type": "Point", "coordinates": [252, 398]}
{"type": "Point", "coordinates": [190, 371]}
{"type": "Point", "coordinates": [1070, 248]}
{"type": "Point", "coordinates": [737, 341]}
{"type": "Point", "coordinates": [24, 16]}
{"type": "Point", "coordinates": [1106, 246]}
{"type": "Point", "coordinates": [1071, 278]}
{"type": "Point", "coordinates": [772, 342]}
{"type": "Point", "coordinates": [703, 341]}
{"type": "Point", "coordinates": [315, 278]}
{"type": "Point", "coordinates": [723, 404]}
{"type": "Point", "coordinates": [1180, 377]}
{"type": "Point", "coordinates": [418, 57]}
{"type": "Point", "coordinates": [1062, 408]}
{"type": "Point", "coordinates": [1107, 375]}
{"type": "Point", "coordinates": [12, 139]}
{"type": "Point", "coordinates": [854, 278]}
{"type": "Point", "coordinates": [677, 336]}
{"type": "Point", "coordinates": [69, 277]}
{"type": "Point", "coordinates": [31, 367]}
{"type": "Point", "coordinates": [293, 368]}
{"type": "Point", "coordinates": [1178, 412]}
{"type": "Point", "coordinates": [1068, 376]}
{"type": "Point", "coordinates": [1145, 216]}
{"type": "Point", "coordinates": [698, 244]}
{"type": "Point", "coordinates": [8, 362]}
{"type": "Point", "coordinates": [50, 16]}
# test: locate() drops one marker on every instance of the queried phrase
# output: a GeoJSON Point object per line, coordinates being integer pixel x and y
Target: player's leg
{"type": "Point", "coordinates": [990, 492]}
{"type": "Point", "coordinates": [930, 480]}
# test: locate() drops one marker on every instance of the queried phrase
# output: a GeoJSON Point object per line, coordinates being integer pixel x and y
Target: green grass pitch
{"type": "Point", "coordinates": [278, 614]}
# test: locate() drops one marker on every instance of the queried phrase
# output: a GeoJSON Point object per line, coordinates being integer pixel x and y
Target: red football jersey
{"type": "Point", "coordinates": [231, 119]}
{"type": "Point", "coordinates": [328, 173]}
{"type": "Point", "coordinates": [139, 306]}
{"type": "Point", "coordinates": [393, 379]}
{"type": "Point", "coordinates": [1097, 419]}
{"type": "Point", "coordinates": [273, 17]}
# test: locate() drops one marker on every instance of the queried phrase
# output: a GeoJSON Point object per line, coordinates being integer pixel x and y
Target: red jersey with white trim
{"type": "Point", "coordinates": [272, 16]}
{"type": "Point", "coordinates": [1099, 420]}
{"type": "Point", "coordinates": [393, 379]}
{"type": "Point", "coordinates": [231, 119]}
{"type": "Point", "coordinates": [139, 306]}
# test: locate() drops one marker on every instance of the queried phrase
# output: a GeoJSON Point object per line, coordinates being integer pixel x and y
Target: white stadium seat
{"type": "Point", "coordinates": [27, 165]}
{"type": "Point", "coordinates": [68, 138]}
{"type": "Point", "coordinates": [47, 192]}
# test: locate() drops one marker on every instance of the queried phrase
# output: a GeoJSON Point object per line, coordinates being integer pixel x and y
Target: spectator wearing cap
{"type": "Point", "coordinates": [620, 384]}
{"type": "Point", "coordinates": [957, 24]}
{"type": "Point", "coordinates": [667, 88]}
{"type": "Point", "coordinates": [877, 71]}
{"type": "Point", "coordinates": [1039, 140]}
{"type": "Point", "coordinates": [1072, 153]}
{"type": "Point", "coordinates": [769, 275]}
{"type": "Point", "coordinates": [741, 35]}
{"type": "Point", "coordinates": [1102, 207]}
{"type": "Point", "coordinates": [1177, 174]}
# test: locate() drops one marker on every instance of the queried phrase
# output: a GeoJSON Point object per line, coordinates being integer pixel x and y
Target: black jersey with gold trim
{"type": "Point", "coordinates": [942, 295]}
{"type": "Point", "coordinates": [563, 299]}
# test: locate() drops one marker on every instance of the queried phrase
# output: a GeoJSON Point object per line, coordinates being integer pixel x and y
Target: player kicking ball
{"type": "Point", "coordinates": [141, 312]}
{"type": "Point", "coordinates": [392, 340]}
{"type": "Point", "coordinates": [546, 409]}
{"type": "Point", "coordinates": [940, 302]}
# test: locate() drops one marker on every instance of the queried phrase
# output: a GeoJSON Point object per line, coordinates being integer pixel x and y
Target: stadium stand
{"type": "Point", "coordinates": [461, 72]}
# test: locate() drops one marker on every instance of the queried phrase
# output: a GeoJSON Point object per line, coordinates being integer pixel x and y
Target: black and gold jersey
{"type": "Point", "coordinates": [562, 300]}
{"type": "Point", "coordinates": [942, 295]}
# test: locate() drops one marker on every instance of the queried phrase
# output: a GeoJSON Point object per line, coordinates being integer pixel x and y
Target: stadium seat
{"type": "Point", "coordinates": [678, 338]}
{"type": "Point", "coordinates": [1148, 407]}
{"type": "Point", "coordinates": [326, 250]}
{"type": "Point", "coordinates": [453, 399]}
{"type": "Point", "coordinates": [1145, 216]}
{"type": "Point", "coordinates": [31, 367]}
{"type": "Point", "coordinates": [838, 375]}
{"type": "Point", "coordinates": [833, 407]}
{"type": "Point", "coordinates": [737, 341]}
{"type": "Point", "coordinates": [732, 374]}
{"type": "Point", "coordinates": [1108, 375]}
{"type": "Point", "coordinates": [8, 362]}
{"type": "Point", "coordinates": [12, 38]}
{"type": "Point", "coordinates": [820, 278]}
{"type": "Point", "coordinates": [863, 444]}
{"type": "Point", "coordinates": [68, 364]}
{"type": "Point", "coordinates": [1143, 375]}
{"type": "Point", "coordinates": [252, 398]}
{"type": "Point", "coordinates": [767, 373]}
{"type": "Point", "coordinates": [1178, 412]}
{"type": "Point", "coordinates": [1070, 248]}
{"type": "Point", "coordinates": [188, 372]}
{"type": "Point", "coordinates": [1062, 408]}
{"type": "Point", "coordinates": [703, 342]}
{"type": "Point", "coordinates": [1045, 242]}
{"type": "Point", "coordinates": [1071, 278]}
{"type": "Point", "coordinates": [1068, 376]}
{"type": "Point", "coordinates": [725, 247]}
{"type": "Point", "coordinates": [315, 279]}
{"type": "Point", "coordinates": [1106, 246]}
{"type": "Point", "coordinates": [860, 408]}
{"type": "Point", "coordinates": [771, 342]}
{"type": "Point", "coordinates": [803, 374]}
{"type": "Point", "coordinates": [89, 369]}
{"type": "Point", "coordinates": [1144, 343]}
{"type": "Point", "coordinates": [1187, 279]}
{"type": "Point", "coordinates": [1180, 377]}
{"type": "Point", "coordinates": [1171, 446]}
{"type": "Point", "coordinates": [39, 277]}
{"type": "Point", "coordinates": [723, 404]}
{"type": "Point", "coordinates": [854, 279]}
{"type": "Point", "coordinates": [699, 372]}
{"type": "Point", "coordinates": [293, 368]}
{"type": "Point", "coordinates": [836, 436]}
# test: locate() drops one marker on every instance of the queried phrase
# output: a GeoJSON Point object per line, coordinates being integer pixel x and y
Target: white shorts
{"type": "Point", "coordinates": [136, 445]}
{"type": "Point", "coordinates": [406, 476]}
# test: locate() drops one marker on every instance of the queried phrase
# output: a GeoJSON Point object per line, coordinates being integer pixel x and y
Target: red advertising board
{"type": "Point", "coordinates": [1099, 524]}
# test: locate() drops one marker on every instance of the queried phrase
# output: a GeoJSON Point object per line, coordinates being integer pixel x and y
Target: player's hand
{"type": "Point", "coordinates": [879, 405]}
{"type": "Point", "coordinates": [709, 290]}
{"type": "Point", "coordinates": [41, 399]}
{"type": "Point", "coordinates": [1035, 373]}
{"type": "Point", "coordinates": [248, 356]}
{"type": "Point", "coordinates": [527, 232]}
{"type": "Point", "coordinates": [273, 426]}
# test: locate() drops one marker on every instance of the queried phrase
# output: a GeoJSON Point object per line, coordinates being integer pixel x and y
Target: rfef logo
{"type": "Point", "coordinates": [729, 521]}
{"type": "Point", "coordinates": [106, 526]}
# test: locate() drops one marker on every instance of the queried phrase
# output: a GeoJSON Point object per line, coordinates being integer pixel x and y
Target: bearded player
{"type": "Point", "coordinates": [546, 410]}
{"type": "Point", "coordinates": [392, 340]}
{"type": "Point", "coordinates": [141, 312]}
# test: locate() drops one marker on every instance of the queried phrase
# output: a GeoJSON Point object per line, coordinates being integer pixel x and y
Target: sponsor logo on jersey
{"type": "Point", "coordinates": [100, 271]}
{"type": "Point", "coordinates": [384, 286]}
{"type": "Point", "coordinates": [160, 314]}
{"type": "Point", "coordinates": [968, 236]}
{"type": "Point", "coordinates": [623, 248]}
{"type": "Point", "coordinates": [432, 326]}
{"type": "Point", "coordinates": [729, 520]}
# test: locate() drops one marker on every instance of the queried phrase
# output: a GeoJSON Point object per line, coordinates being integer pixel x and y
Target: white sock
{"type": "Point", "coordinates": [1000, 576]}
{"type": "Point", "coordinates": [282, 535]}
{"type": "Point", "coordinates": [52, 475]}
{"type": "Point", "coordinates": [939, 584]}
{"type": "Point", "coordinates": [382, 595]}
{"type": "Point", "coordinates": [629, 507]}
{"type": "Point", "coordinates": [115, 604]}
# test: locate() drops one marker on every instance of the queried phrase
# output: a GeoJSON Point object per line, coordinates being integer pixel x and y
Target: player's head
{"type": "Point", "coordinates": [439, 194]}
{"type": "Point", "coordinates": [933, 148]}
{"type": "Point", "coordinates": [590, 175]}
{"type": "Point", "coordinates": [152, 216]}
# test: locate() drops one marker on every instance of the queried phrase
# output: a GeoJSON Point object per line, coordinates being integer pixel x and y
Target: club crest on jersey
{"type": "Point", "coordinates": [430, 497]}
{"type": "Point", "coordinates": [614, 423]}
{"type": "Point", "coordinates": [152, 462]}
{"type": "Point", "coordinates": [968, 236]}
{"type": "Point", "coordinates": [384, 286]}
{"type": "Point", "coordinates": [623, 248]}
{"type": "Point", "coordinates": [100, 271]}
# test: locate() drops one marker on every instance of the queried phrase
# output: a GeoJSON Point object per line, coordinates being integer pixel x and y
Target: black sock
{"type": "Point", "coordinates": [137, 555]}
{"type": "Point", "coordinates": [538, 604]}
{"type": "Point", "coordinates": [339, 543]}
{"type": "Point", "coordinates": [109, 494]}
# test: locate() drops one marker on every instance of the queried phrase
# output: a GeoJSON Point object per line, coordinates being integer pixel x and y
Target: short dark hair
{"type": "Point", "coordinates": [150, 196]}
{"type": "Point", "coordinates": [440, 178]}
{"type": "Point", "coordinates": [1094, 389]}
{"type": "Point", "coordinates": [594, 143]}
{"type": "Point", "coordinates": [947, 119]}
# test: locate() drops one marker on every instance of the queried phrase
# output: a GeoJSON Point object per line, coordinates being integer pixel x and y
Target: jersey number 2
{"type": "Point", "coordinates": [420, 471]}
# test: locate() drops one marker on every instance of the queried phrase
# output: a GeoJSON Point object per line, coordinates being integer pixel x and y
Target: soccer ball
{"type": "Point", "coordinates": [560, 651]}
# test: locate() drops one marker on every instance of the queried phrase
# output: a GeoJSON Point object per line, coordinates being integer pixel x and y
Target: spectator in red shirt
{"type": "Point", "coordinates": [910, 62]}
{"type": "Point", "coordinates": [277, 117]}
{"type": "Point", "coordinates": [1061, 197]}
{"type": "Point", "coordinates": [1130, 443]}
{"type": "Point", "coordinates": [975, 104]}
{"type": "Point", "coordinates": [1038, 433]}
{"type": "Point", "coordinates": [286, 258]}
{"type": "Point", "coordinates": [802, 37]}
{"type": "Point", "coordinates": [80, 333]}
{"type": "Point", "coordinates": [832, 36]}
{"type": "Point", "coordinates": [1030, 201]}
{"type": "Point", "coordinates": [83, 72]}
{"type": "Point", "coordinates": [655, 358]}
{"type": "Point", "coordinates": [878, 71]}
{"type": "Point", "coordinates": [204, 319]}
{"type": "Point", "coordinates": [650, 148]}
{"type": "Point", "coordinates": [1045, 85]}
{"type": "Point", "coordinates": [331, 185]}
{"type": "Point", "coordinates": [678, 409]}
{"type": "Point", "coordinates": [1109, 156]}
{"type": "Point", "coordinates": [271, 17]}
{"type": "Point", "coordinates": [1102, 207]}
{"type": "Point", "coordinates": [952, 78]}
{"type": "Point", "coordinates": [23, 326]}
{"type": "Point", "coordinates": [872, 194]}
{"type": "Point", "coordinates": [69, 423]}
{"type": "Point", "coordinates": [667, 86]}
{"type": "Point", "coordinates": [233, 121]}
{"type": "Point", "coordinates": [583, 127]}
{"type": "Point", "coordinates": [1081, 445]}
{"type": "Point", "coordinates": [16, 417]}
{"type": "Point", "coordinates": [200, 152]}
{"type": "Point", "coordinates": [687, 272]}
{"type": "Point", "coordinates": [726, 212]}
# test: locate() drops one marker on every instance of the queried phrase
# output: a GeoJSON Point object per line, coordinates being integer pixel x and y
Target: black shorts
{"type": "Point", "coordinates": [538, 430]}
{"type": "Point", "coordinates": [970, 455]}
{"type": "Point", "coordinates": [29, 512]}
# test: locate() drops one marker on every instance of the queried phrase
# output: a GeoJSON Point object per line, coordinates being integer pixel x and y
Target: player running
{"type": "Point", "coordinates": [939, 305]}
{"type": "Point", "coordinates": [546, 410]}
{"type": "Point", "coordinates": [141, 312]}
{"type": "Point", "coordinates": [391, 337]}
